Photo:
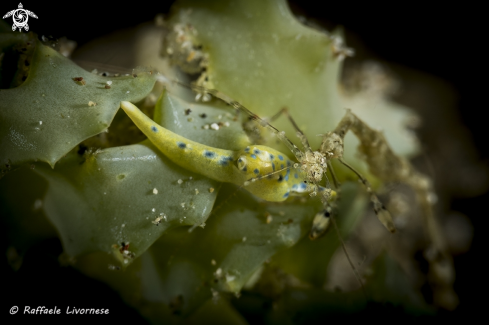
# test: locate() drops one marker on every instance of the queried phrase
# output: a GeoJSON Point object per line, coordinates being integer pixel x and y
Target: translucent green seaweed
{"type": "Point", "coordinates": [50, 103]}
{"type": "Point", "coordinates": [192, 120]}
{"type": "Point", "coordinates": [113, 197]}
{"type": "Point", "coordinates": [259, 54]}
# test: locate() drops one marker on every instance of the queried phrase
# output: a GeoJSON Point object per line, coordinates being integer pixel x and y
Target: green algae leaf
{"type": "Point", "coordinates": [245, 232]}
{"type": "Point", "coordinates": [49, 113]}
{"type": "Point", "coordinates": [259, 54]}
{"type": "Point", "coordinates": [183, 269]}
{"type": "Point", "coordinates": [116, 195]}
{"type": "Point", "coordinates": [262, 56]}
{"type": "Point", "coordinates": [195, 121]}
{"type": "Point", "coordinates": [235, 243]}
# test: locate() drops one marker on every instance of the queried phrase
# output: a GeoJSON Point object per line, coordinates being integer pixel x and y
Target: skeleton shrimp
{"type": "Point", "coordinates": [272, 176]}
{"type": "Point", "coordinates": [382, 162]}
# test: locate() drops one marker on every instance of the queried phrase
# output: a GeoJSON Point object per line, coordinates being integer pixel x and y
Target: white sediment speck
{"type": "Point", "coordinates": [269, 218]}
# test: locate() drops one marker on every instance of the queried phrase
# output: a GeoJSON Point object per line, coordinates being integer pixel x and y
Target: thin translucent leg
{"type": "Point", "coordinates": [281, 135]}
{"type": "Point", "coordinates": [379, 209]}
{"type": "Point", "coordinates": [300, 134]}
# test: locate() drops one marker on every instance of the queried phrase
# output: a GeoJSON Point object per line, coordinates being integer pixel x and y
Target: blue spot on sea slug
{"type": "Point", "coordinates": [225, 160]}
{"type": "Point", "coordinates": [181, 145]}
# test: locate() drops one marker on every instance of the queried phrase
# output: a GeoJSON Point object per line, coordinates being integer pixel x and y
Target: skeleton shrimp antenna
{"type": "Point", "coordinates": [336, 183]}
{"type": "Point", "coordinates": [357, 275]}
{"type": "Point", "coordinates": [239, 107]}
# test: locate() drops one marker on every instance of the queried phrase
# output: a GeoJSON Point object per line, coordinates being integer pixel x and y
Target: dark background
{"type": "Point", "coordinates": [443, 41]}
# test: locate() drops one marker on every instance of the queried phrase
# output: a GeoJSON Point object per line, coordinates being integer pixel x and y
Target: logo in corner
{"type": "Point", "coordinates": [20, 17]}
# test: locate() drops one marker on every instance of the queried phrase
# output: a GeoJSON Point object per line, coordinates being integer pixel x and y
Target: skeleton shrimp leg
{"type": "Point", "coordinates": [389, 167]}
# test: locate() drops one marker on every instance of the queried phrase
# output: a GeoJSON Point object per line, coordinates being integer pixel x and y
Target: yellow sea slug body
{"type": "Point", "coordinates": [266, 172]}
